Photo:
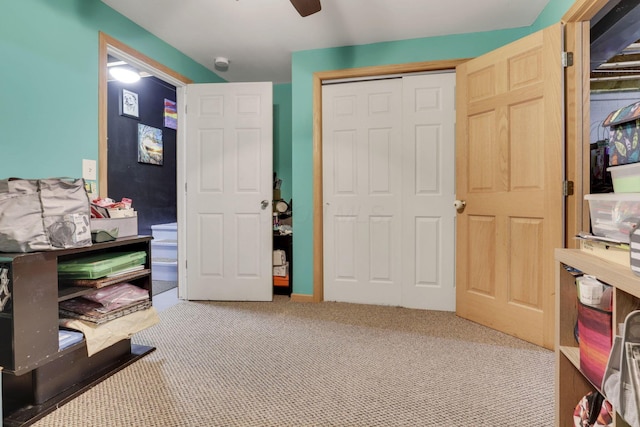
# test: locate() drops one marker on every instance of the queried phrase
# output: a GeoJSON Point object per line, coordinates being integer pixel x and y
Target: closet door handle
{"type": "Point", "coordinates": [459, 205]}
{"type": "Point", "coordinates": [264, 204]}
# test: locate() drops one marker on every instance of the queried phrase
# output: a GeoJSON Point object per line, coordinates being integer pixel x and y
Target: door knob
{"type": "Point", "coordinates": [264, 204]}
{"type": "Point", "coordinates": [459, 205]}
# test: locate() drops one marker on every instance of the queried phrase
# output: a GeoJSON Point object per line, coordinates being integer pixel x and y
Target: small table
{"type": "Point", "coordinates": [285, 243]}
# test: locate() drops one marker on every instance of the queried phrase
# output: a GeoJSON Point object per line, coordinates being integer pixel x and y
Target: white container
{"type": "Point", "coordinates": [164, 270]}
{"type": "Point", "coordinates": [626, 178]}
{"type": "Point", "coordinates": [167, 231]}
{"type": "Point", "coordinates": [164, 249]}
{"type": "Point", "coordinates": [590, 290]}
{"type": "Point", "coordinates": [614, 215]}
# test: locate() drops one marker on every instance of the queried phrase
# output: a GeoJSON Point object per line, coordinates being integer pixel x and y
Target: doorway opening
{"type": "Point", "coordinates": [110, 47]}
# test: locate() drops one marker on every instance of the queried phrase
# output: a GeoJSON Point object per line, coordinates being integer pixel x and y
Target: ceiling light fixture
{"type": "Point", "coordinates": [221, 63]}
{"type": "Point", "coordinates": [124, 74]}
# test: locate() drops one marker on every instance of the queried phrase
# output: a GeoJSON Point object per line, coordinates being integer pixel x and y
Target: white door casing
{"type": "Point", "coordinates": [388, 180]}
{"type": "Point", "coordinates": [229, 151]}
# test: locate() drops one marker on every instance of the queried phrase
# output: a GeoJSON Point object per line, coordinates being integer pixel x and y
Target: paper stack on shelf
{"type": "Point", "coordinates": [609, 249]}
{"type": "Point", "coordinates": [105, 304]}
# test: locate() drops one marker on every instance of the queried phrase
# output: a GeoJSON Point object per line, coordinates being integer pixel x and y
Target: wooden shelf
{"type": "Point", "coordinates": [571, 383]}
{"type": "Point", "coordinates": [573, 354]}
{"type": "Point", "coordinates": [76, 288]}
{"type": "Point", "coordinates": [611, 273]}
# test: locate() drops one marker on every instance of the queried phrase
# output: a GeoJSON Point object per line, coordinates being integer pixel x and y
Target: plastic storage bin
{"type": "Point", "coordinates": [614, 215]}
{"type": "Point", "coordinates": [166, 231]}
{"type": "Point", "coordinates": [164, 270]}
{"type": "Point", "coordinates": [626, 178]}
{"type": "Point", "coordinates": [97, 266]}
{"type": "Point", "coordinates": [164, 249]}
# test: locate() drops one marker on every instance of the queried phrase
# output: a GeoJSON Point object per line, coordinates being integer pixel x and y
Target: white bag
{"type": "Point", "coordinates": [42, 214]}
{"type": "Point", "coordinates": [620, 378]}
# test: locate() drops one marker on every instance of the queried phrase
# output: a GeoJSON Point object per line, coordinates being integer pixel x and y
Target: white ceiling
{"type": "Point", "coordinates": [258, 36]}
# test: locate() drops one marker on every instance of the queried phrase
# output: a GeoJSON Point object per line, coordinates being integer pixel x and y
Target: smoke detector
{"type": "Point", "coordinates": [221, 63]}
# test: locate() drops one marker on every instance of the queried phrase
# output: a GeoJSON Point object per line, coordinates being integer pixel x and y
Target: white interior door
{"type": "Point", "coordinates": [388, 183]}
{"type": "Point", "coordinates": [428, 216]}
{"type": "Point", "coordinates": [229, 184]}
{"type": "Point", "coordinates": [362, 127]}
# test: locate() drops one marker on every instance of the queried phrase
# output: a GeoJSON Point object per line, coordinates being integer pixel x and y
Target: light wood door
{"type": "Point", "coordinates": [509, 172]}
{"type": "Point", "coordinates": [229, 190]}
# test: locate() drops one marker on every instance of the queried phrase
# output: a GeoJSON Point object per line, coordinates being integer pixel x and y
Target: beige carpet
{"type": "Point", "coordinates": [328, 364]}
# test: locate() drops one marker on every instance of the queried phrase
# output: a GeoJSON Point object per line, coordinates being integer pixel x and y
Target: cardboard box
{"type": "Point", "coordinates": [611, 252]}
{"type": "Point", "coordinates": [127, 226]}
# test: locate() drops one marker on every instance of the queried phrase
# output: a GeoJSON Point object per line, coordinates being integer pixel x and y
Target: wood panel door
{"type": "Point", "coordinates": [509, 172]}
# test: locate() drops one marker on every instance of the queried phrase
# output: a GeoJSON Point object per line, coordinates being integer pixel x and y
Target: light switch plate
{"type": "Point", "coordinates": [89, 169]}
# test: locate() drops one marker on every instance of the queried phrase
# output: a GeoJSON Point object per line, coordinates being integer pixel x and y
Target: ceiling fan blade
{"type": "Point", "coordinates": [306, 7]}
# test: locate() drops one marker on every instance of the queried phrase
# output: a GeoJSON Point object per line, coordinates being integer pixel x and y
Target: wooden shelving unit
{"type": "Point", "coordinates": [570, 383]}
{"type": "Point", "coordinates": [36, 376]}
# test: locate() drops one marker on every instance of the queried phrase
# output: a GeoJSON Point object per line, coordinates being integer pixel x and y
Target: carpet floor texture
{"type": "Point", "coordinates": [329, 364]}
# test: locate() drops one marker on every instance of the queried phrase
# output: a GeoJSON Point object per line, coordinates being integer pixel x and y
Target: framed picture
{"type": "Point", "coordinates": [129, 104]}
{"type": "Point", "coordinates": [150, 145]}
{"type": "Point", "coordinates": [170, 114]}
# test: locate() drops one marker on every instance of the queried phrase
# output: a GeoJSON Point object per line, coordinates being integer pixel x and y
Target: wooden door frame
{"type": "Point", "coordinates": [318, 203]}
{"type": "Point", "coordinates": [577, 114]}
{"type": "Point", "coordinates": [107, 45]}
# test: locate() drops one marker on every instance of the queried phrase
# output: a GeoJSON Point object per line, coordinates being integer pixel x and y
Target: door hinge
{"type": "Point", "coordinates": [567, 188]}
{"type": "Point", "coordinates": [567, 59]}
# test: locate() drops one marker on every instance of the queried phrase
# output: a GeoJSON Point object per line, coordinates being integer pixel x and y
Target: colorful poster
{"type": "Point", "coordinates": [170, 114]}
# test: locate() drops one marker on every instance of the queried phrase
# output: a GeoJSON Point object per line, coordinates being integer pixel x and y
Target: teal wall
{"type": "Point", "coordinates": [49, 81]}
{"type": "Point", "coordinates": [282, 137]}
{"type": "Point", "coordinates": [551, 14]}
{"type": "Point", "coordinates": [305, 63]}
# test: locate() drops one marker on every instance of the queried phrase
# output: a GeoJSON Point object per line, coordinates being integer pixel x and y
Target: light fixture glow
{"type": "Point", "coordinates": [124, 74]}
